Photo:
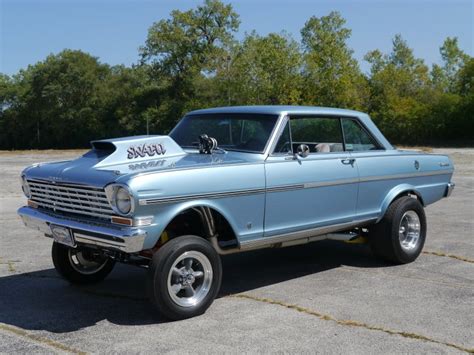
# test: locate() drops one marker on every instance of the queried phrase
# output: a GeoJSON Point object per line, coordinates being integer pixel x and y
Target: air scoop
{"type": "Point", "coordinates": [135, 149]}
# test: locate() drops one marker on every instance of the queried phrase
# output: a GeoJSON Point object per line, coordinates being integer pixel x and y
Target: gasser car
{"type": "Point", "coordinates": [228, 180]}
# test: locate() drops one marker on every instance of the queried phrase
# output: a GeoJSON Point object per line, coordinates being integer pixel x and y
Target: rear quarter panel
{"type": "Point", "coordinates": [385, 175]}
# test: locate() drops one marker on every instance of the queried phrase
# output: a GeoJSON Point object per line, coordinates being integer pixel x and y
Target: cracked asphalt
{"type": "Point", "coordinates": [325, 297]}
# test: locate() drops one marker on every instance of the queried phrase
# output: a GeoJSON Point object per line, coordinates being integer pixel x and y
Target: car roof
{"type": "Point", "coordinates": [300, 110]}
{"type": "Point", "coordinates": [278, 109]}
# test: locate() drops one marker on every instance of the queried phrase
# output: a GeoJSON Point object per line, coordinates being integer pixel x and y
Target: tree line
{"type": "Point", "coordinates": [193, 60]}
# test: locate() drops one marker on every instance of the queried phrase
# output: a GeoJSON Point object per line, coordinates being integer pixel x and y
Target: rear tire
{"type": "Point", "coordinates": [400, 235]}
{"type": "Point", "coordinates": [80, 265]}
{"type": "Point", "coordinates": [184, 277]}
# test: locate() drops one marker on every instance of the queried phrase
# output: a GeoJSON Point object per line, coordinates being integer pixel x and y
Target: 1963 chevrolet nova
{"type": "Point", "coordinates": [227, 180]}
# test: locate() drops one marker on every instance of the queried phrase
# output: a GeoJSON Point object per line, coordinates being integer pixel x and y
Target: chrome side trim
{"type": "Point", "coordinates": [404, 176]}
{"type": "Point", "coordinates": [307, 233]}
{"type": "Point", "coordinates": [155, 201]}
{"type": "Point", "coordinates": [330, 183]}
{"type": "Point", "coordinates": [128, 240]}
{"type": "Point", "coordinates": [311, 185]}
{"type": "Point", "coordinates": [283, 188]}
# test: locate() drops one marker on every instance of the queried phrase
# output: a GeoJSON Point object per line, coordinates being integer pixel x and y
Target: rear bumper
{"type": "Point", "coordinates": [449, 189]}
{"type": "Point", "coordinates": [128, 240]}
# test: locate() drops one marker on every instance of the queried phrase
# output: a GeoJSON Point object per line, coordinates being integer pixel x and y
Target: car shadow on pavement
{"type": "Point", "coordinates": [41, 300]}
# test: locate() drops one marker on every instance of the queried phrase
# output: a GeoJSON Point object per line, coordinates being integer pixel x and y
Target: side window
{"type": "Point", "coordinates": [322, 135]}
{"type": "Point", "coordinates": [356, 138]}
{"type": "Point", "coordinates": [283, 145]}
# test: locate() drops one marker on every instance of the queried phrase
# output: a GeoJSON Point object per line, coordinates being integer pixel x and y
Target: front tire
{"type": "Point", "coordinates": [400, 235]}
{"type": "Point", "coordinates": [81, 265]}
{"type": "Point", "coordinates": [184, 277]}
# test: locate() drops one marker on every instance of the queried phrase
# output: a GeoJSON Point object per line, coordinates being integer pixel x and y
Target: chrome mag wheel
{"type": "Point", "coordinates": [86, 262]}
{"type": "Point", "coordinates": [409, 230]}
{"type": "Point", "coordinates": [190, 279]}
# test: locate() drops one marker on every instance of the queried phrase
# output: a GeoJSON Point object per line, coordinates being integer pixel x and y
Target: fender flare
{"type": "Point", "coordinates": [402, 189]}
{"type": "Point", "coordinates": [175, 210]}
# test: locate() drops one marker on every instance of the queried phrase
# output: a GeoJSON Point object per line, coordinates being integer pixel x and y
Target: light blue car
{"type": "Point", "coordinates": [228, 180]}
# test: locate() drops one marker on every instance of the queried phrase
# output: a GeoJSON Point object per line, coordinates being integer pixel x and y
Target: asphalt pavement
{"type": "Point", "coordinates": [325, 297]}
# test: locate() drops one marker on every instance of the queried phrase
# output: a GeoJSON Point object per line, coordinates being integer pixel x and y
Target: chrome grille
{"type": "Point", "coordinates": [84, 200]}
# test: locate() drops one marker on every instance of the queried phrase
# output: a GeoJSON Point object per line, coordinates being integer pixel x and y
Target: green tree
{"type": "Point", "coordinates": [129, 97]}
{"type": "Point", "coordinates": [58, 101]}
{"type": "Point", "coordinates": [263, 70]}
{"type": "Point", "coordinates": [331, 74]}
{"type": "Point", "coordinates": [189, 42]}
{"type": "Point", "coordinates": [451, 109]}
{"type": "Point", "coordinates": [184, 50]}
{"type": "Point", "coordinates": [398, 91]}
{"type": "Point", "coordinates": [8, 101]}
{"type": "Point", "coordinates": [445, 76]}
{"type": "Point", "coordinates": [465, 126]}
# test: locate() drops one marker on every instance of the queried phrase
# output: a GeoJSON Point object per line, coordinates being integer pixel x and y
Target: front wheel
{"type": "Point", "coordinates": [400, 235]}
{"type": "Point", "coordinates": [184, 277]}
{"type": "Point", "coordinates": [81, 265]}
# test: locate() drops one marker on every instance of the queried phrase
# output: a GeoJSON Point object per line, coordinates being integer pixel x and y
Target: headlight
{"type": "Point", "coordinates": [123, 200]}
{"type": "Point", "coordinates": [25, 187]}
{"type": "Point", "coordinates": [120, 198]}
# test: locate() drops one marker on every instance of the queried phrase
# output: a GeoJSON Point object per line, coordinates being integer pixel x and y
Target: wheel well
{"type": "Point", "coordinates": [202, 221]}
{"type": "Point", "coordinates": [409, 193]}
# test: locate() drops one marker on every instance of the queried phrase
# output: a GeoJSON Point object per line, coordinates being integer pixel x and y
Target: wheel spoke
{"type": "Point", "coordinates": [176, 272]}
{"type": "Point", "coordinates": [189, 291]}
{"type": "Point", "coordinates": [176, 288]}
{"type": "Point", "coordinates": [198, 274]}
{"type": "Point", "coordinates": [188, 263]}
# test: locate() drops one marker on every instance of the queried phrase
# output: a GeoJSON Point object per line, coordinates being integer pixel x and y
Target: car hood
{"type": "Point", "coordinates": [119, 159]}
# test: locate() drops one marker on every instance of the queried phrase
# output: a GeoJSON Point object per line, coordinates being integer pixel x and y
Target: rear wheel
{"type": "Point", "coordinates": [81, 265]}
{"type": "Point", "coordinates": [184, 277]}
{"type": "Point", "coordinates": [400, 235]}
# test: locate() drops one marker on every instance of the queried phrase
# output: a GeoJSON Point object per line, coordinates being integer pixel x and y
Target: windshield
{"type": "Point", "coordinates": [241, 132]}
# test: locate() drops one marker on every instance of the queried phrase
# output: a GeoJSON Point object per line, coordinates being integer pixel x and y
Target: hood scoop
{"type": "Point", "coordinates": [135, 149]}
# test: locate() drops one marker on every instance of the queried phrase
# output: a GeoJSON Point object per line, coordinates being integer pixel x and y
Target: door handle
{"type": "Point", "coordinates": [348, 161]}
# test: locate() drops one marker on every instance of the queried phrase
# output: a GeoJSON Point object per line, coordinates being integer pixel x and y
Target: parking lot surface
{"type": "Point", "coordinates": [325, 297]}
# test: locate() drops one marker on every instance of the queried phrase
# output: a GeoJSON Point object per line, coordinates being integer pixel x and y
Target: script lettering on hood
{"type": "Point", "coordinates": [145, 149]}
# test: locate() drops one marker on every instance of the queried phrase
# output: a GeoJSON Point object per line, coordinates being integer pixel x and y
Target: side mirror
{"type": "Point", "coordinates": [302, 150]}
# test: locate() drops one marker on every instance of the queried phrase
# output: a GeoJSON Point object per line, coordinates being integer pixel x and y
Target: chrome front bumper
{"type": "Point", "coordinates": [449, 189]}
{"type": "Point", "coordinates": [128, 240]}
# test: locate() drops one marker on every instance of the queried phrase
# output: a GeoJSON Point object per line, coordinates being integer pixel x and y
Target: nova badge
{"type": "Point", "coordinates": [145, 149]}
